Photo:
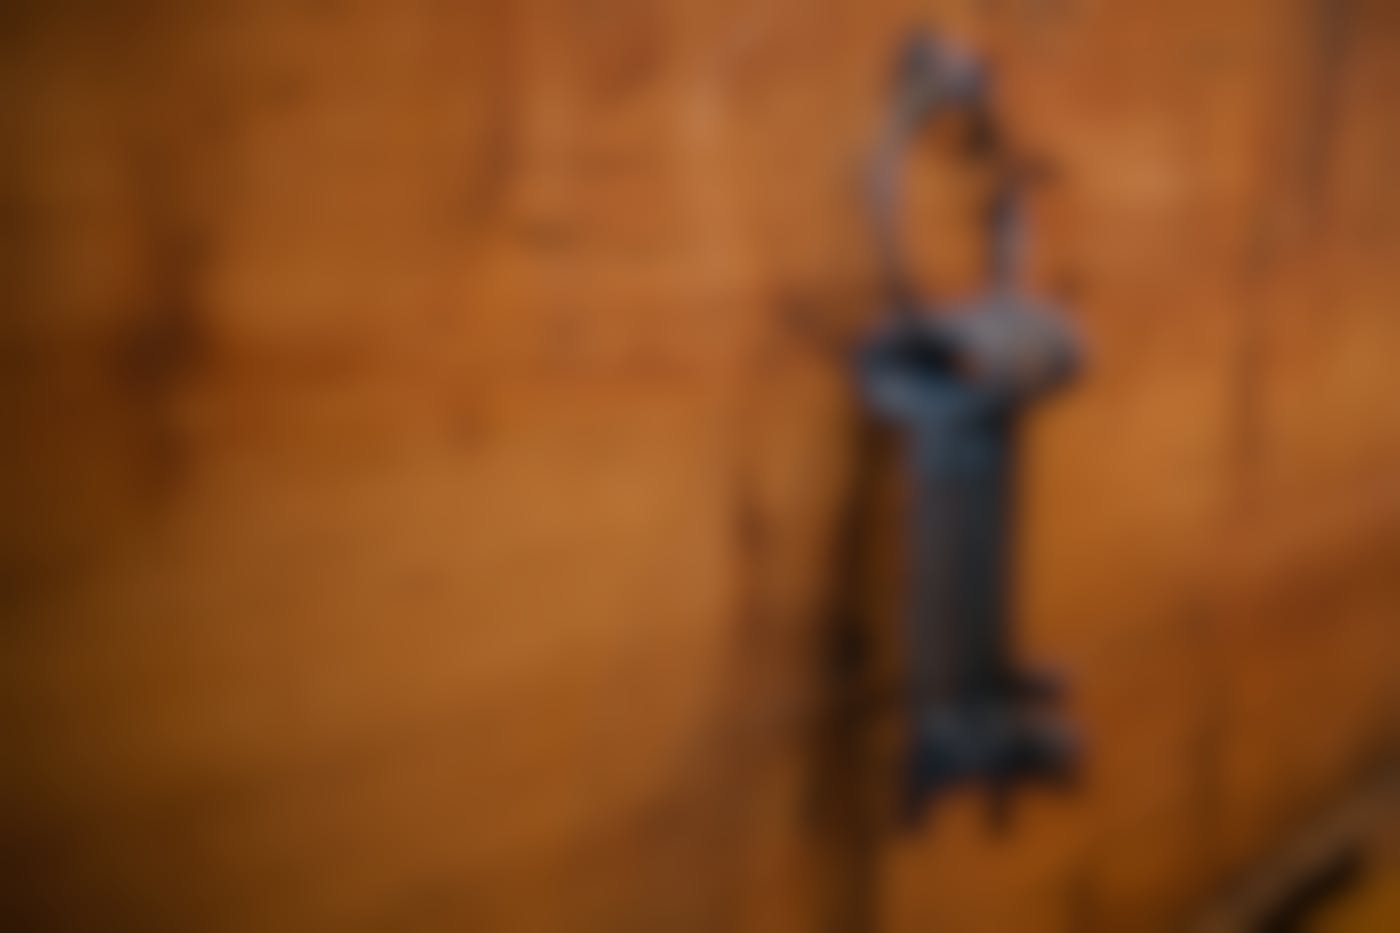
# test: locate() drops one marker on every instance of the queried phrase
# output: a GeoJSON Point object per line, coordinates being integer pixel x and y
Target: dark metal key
{"type": "Point", "coordinates": [956, 380]}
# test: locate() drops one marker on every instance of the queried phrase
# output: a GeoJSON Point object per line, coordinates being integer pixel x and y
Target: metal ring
{"type": "Point", "coordinates": [935, 78]}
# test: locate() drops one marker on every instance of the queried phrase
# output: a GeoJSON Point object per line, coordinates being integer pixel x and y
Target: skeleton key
{"type": "Point", "coordinates": [956, 380]}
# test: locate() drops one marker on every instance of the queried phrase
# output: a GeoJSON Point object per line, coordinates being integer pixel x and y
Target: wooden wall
{"type": "Point", "coordinates": [430, 456]}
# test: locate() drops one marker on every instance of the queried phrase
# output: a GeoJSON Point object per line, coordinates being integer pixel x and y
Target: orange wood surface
{"type": "Point", "coordinates": [430, 448]}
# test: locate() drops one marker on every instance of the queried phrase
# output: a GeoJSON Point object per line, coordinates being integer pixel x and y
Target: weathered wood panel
{"type": "Point", "coordinates": [430, 444]}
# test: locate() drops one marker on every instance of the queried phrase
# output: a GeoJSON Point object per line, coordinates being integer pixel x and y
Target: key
{"type": "Point", "coordinates": [957, 381]}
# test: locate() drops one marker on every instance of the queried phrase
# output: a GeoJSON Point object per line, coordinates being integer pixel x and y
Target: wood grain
{"type": "Point", "coordinates": [430, 452]}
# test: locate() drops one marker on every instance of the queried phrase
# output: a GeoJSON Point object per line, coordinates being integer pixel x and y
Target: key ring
{"type": "Point", "coordinates": [936, 78]}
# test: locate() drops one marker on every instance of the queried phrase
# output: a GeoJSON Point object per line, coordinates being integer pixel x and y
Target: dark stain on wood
{"type": "Point", "coordinates": [159, 354]}
{"type": "Point", "coordinates": [1332, 21]}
